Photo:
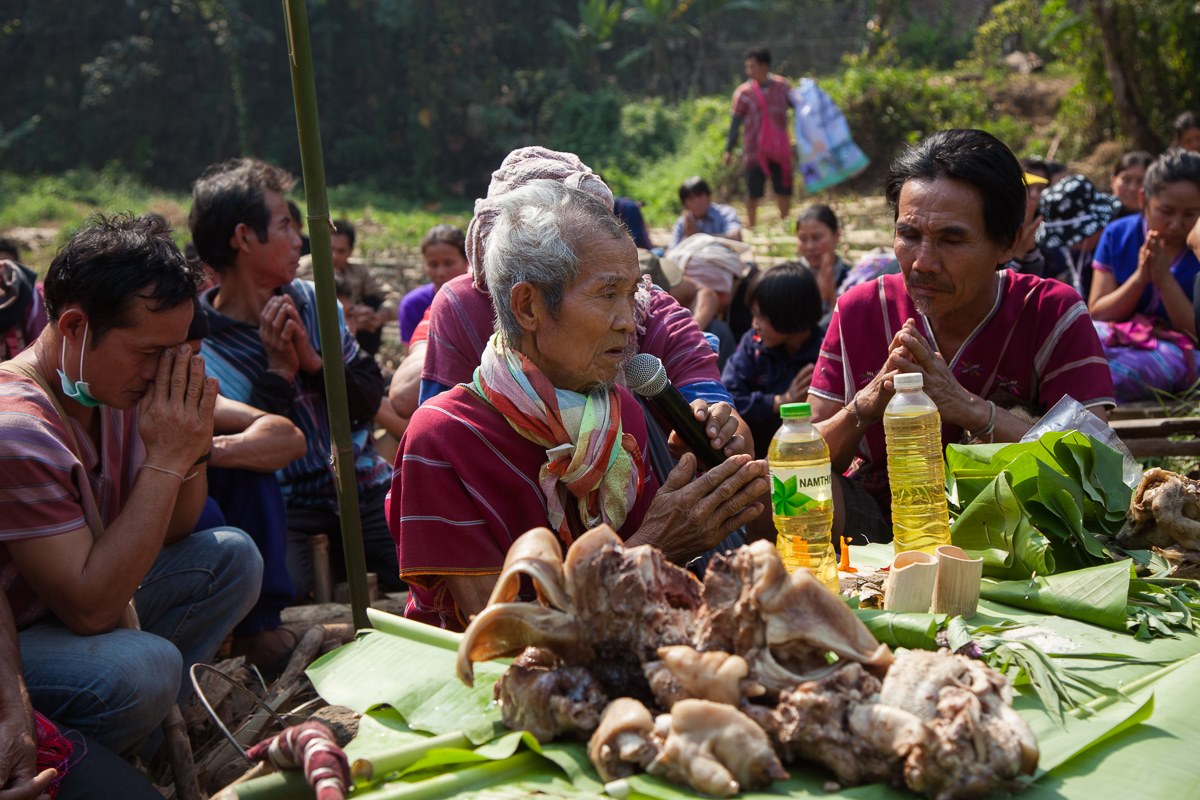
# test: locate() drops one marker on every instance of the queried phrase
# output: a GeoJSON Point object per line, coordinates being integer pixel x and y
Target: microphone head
{"type": "Point", "coordinates": [646, 375]}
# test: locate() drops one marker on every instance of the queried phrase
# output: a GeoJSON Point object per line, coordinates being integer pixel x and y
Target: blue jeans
{"type": "Point", "coordinates": [378, 545]}
{"type": "Point", "coordinates": [253, 502]}
{"type": "Point", "coordinates": [117, 687]}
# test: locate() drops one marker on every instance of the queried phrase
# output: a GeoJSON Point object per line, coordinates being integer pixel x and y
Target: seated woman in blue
{"type": "Point", "coordinates": [773, 363]}
{"type": "Point", "coordinates": [1142, 285]}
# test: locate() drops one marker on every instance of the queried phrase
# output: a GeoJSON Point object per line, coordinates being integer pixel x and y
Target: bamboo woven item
{"type": "Point", "coordinates": [956, 589]}
{"type": "Point", "coordinates": [910, 582]}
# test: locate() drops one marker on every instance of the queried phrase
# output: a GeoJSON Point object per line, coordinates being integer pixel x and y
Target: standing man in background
{"type": "Point", "coordinates": [762, 103]}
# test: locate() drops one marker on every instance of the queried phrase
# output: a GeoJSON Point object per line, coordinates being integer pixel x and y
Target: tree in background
{"type": "Point", "coordinates": [422, 100]}
{"type": "Point", "coordinates": [1151, 59]}
{"type": "Point", "coordinates": [1138, 61]}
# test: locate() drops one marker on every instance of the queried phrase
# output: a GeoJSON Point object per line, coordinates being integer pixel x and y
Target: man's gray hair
{"type": "Point", "coordinates": [536, 237]}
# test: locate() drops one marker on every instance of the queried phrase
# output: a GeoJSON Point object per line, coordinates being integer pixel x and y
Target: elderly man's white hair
{"type": "Point", "coordinates": [537, 233]}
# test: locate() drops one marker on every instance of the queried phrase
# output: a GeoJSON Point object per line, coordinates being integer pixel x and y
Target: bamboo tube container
{"type": "Point", "coordinates": [956, 589]}
{"type": "Point", "coordinates": [910, 581]}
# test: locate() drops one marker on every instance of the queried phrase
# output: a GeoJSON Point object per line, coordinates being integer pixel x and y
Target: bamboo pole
{"type": "Point", "coordinates": [304, 91]}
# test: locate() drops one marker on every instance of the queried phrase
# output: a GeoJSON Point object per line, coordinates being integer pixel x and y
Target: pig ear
{"type": "Point", "coordinates": [586, 546]}
{"type": "Point", "coordinates": [804, 621]}
{"type": "Point", "coordinates": [504, 630]}
{"type": "Point", "coordinates": [537, 555]}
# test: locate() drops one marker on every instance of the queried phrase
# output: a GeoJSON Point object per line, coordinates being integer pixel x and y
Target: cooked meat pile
{"type": "Point", "coordinates": [1164, 514]}
{"type": "Point", "coordinates": [711, 686]}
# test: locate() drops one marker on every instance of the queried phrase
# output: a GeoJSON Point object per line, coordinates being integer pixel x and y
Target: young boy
{"type": "Point", "coordinates": [701, 215]}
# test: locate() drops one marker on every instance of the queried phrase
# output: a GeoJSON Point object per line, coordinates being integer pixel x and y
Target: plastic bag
{"type": "Point", "coordinates": [1069, 415]}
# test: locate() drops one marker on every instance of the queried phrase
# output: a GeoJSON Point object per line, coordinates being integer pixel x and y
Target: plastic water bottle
{"type": "Point", "coordinates": [913, 429]}
{"type": "Point", "coordinates": [801, 495]}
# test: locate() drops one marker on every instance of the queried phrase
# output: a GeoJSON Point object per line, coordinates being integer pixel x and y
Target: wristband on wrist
{"type": "Point", "coordinates": [859, 423]}
{"type": "Point", "coordinates": [988, 430]}
{"type": "Point", "coordinates": [165, 471]}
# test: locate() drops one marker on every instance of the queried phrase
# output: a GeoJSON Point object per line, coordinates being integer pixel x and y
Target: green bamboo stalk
{"type": "Point", "coordinates": [287, 785]}
{"type": "Point", "coordinates": [304, 91]}
{"type": "Point", "coordinates": [415, 631]}
{"type": "Point", "coordinates": [449, 784]}
{"type": "Point", "coordinates": [379, 765]}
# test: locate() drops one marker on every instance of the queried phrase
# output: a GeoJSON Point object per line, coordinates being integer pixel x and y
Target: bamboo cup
{"type": "Point", "coordinates": [910, 582]}
{"type": "Point", "coordinates": [956, 589]}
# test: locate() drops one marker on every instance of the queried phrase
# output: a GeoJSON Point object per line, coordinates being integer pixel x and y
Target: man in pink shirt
{"type": "Point", "coordinates": [988, 342]}
{"type": "Point", "coordinates": [761, 104]}
{"type": "Point", "coordinates": [105, 432]}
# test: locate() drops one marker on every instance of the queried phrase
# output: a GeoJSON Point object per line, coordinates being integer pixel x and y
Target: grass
{"type": "Point", "coordinates": [60, 204]}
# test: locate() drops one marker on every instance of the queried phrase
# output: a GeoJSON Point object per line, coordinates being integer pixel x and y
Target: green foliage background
{"type": "Point", "coordinates": [419, 102]}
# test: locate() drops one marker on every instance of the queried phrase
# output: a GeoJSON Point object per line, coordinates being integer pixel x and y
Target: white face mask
{"type": "Point", "coordinates": [76, 390]}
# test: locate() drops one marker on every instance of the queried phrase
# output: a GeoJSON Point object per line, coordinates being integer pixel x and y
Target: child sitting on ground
{"type": "Point", "coordinates": [773, 363]}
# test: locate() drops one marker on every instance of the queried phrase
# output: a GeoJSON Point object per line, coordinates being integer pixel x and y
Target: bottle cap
{"type": "Point", "coordinates": [909, 380]}
{"type": "Point", "coordinates": [795, 410]}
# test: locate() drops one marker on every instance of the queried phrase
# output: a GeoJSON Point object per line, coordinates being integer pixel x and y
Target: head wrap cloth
{"type": "Point", "coordinates": [519, 168]}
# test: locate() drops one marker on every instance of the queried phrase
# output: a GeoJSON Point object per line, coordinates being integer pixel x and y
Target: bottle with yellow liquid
{"type": "Point", "coordinates": [801, 495]}
{"type": "Point", "coordinates": [913, 430]}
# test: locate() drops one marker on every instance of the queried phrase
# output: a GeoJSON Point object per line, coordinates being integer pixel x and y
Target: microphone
{"type": "Point", "coordinates": [645, 376]}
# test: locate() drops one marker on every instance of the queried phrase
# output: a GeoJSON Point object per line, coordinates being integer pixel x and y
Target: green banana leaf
{"type": "Point", "coordinates": [1154, 759]}
{"type": "Point", "coordinates": [1052, 497]}
{"type": "Point", "coordinates": [902, 629]}
{"type": "Point", "coordinates": [996, 527]}
{"type": "Point", "coordinates": [1130, 668]}
{"type": "Point", "coordinates": [413, 673]}
{"type": "Point", "coordinates": [1097, 595]}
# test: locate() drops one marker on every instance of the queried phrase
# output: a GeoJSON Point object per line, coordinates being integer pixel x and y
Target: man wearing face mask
{"type": "Point", "coordinates": [105, 430]}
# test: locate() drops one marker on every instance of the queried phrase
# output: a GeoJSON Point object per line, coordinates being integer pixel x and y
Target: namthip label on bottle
{"type": "Point", "coordinates": [800, 491]}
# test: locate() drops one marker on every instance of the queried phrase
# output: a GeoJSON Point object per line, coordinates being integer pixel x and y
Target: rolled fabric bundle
{"type": "Point", "coordinates": [711, 261]}
{"type": "Point", "coordinates": [309, 745]}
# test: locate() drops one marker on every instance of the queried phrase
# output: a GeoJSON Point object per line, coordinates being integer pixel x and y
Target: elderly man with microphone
{"type": "Point", "coordinates": [542, 435]}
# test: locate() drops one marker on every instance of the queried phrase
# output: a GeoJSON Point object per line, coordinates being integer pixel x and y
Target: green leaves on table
{"type": "Point", "coordinates": [903, 629]}
{"type": "Point", "coordinates": [1036, 507]}
{"type": "Point", "coordinates": [996, 528]}
{"type": "Point", "coordinates": [1059, 688]}
{"type": "Point", "coordinates": [414, 674]}
{"type": "Point", "coordinates": [1097, 595]}
{"type": "Point", "coordinates": [1108, 595]}
{"type": "Point", "coordinates": [1160, 607]}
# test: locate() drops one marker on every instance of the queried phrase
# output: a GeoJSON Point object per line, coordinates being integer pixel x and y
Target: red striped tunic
{"type": "Point", "coordinates": [40, 476]}
{"type": "Point", "coordinates": [465, 487]}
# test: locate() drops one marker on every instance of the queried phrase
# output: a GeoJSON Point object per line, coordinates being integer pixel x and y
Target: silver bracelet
{"type": "Point", "coordinates": [165, 471]}
{"type": "Point", "coordinates": [852, 409]}
{"type": "Point", "coordinates": [988, 430]}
